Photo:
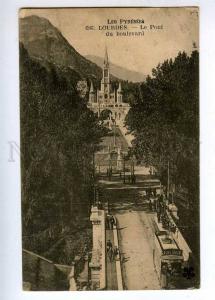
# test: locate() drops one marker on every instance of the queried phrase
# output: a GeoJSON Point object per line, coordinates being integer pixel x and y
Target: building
{"type": "Point", "coordinates": [107, 98]}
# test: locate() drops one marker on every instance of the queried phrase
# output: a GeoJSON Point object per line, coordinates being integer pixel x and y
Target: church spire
{"type": "Point", "coordinates": [91, 87]}
{"type": "Point", "coordinates": [105, 83]}
{"type": "Point", "coordinates": [120, 87]}
{"type": "Point", "coordinates": [106, 57]}
{"type": "Point", "coordinates": [119, 93]}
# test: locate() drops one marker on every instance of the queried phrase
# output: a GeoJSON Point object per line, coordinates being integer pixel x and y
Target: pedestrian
{"type": "Point", "coordinates": [115, 252]}
{"type": "Point", "coordinates": [112, 221]}
{"type": "Point", "coordinates": [132, 179]}
{"type": "Point", "coordinates": [109, 245]}
{"type": "Point", "coordinates": [109, 249]}
{"type": "Point", "coordinates": [108, 221]}
{"type": "Point", "coordinates": [150, 204]}
{"type": "Point", "coordinates": [164, 276]}
{"type": "Point", "coordinates": [110, 254]}
{"type": "Point", "coordinates": [99, 204]}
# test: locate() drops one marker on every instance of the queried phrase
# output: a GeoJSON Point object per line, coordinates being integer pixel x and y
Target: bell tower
{"type": "Point", "coordinates": [92, 95]}
{"type": "Point", "coordinates": [105, 83]}
{"type": "Point", "coordinates": [119, 94]}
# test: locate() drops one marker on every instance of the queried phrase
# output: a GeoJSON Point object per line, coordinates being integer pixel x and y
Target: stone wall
{"type": "Point", "coordinates": [117, 258]}
{"type": "Point", "coordinates": [98, 260]}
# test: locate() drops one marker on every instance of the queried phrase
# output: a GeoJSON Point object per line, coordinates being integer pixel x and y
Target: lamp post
{"type": "Point", "coordinates": [114, 134]}
{"type": "Point", "coordinates": [168, 180]}
{"type": "Point", "coordinates": [93, 167]}
{"type": "Point", "coordinates": [94, 179]}
{"type": "Point", "coordinates": [123, 168]}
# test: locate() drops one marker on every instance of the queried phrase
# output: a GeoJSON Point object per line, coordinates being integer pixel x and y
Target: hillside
{"type": "Point", "coordinates": [118, 71]}
{"type": "Point", "coordinates": [42, 40]}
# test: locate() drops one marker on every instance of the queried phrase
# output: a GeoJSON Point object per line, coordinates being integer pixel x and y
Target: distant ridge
{"type": "Point", "coordinates": [118, 71]}
{"type": "Point", "coordinates": [42, 40]}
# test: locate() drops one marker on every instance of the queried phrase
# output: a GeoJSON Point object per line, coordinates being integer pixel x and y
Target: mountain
{"type": "Point", "coordinates": [117, 71]}
{"type": "Point", "coordinates": [44, 41]}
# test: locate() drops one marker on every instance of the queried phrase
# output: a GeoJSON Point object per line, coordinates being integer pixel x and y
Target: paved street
{"type": "Point", "coordinates": [135, 229]}
{"type": "Point", "coordinates": [136, 238]}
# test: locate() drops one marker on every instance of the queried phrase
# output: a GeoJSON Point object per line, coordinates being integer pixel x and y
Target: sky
{"type": "Point", "coordinates": [179, 30]}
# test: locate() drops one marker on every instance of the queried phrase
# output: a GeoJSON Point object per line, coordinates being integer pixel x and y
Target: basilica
{"type": "Point", "coordinates": [107, 98]}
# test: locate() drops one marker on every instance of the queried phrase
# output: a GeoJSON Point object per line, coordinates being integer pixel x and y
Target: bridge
{"type": "Point", "coordinates": [135, 209]}
{"type": "Point", "coordinates": [117, 112]}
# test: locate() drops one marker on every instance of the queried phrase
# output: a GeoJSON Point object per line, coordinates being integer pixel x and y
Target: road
{"type": "Point", "coordinates": [135, 230]}
{"type": "Point", "coordinates": [135, 224]}
{"type": "Point", "coordinates": [136, 239]}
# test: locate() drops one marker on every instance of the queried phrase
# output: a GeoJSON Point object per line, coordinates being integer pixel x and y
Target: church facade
{"type": "Point", "coordinates": [107, 98]}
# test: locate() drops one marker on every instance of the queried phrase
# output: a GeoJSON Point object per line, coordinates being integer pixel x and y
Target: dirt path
{"type": "Point", "coordinates": [136, 238]}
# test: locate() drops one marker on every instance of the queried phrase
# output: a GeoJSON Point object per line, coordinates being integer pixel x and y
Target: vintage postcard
{"type": "Point", "coordinates": [109, 109]}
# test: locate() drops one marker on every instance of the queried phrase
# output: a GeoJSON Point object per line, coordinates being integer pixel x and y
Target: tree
{"type": "Point", "coordinates": [164, 118]}
{"type": "Point", "coordinates": [59, 135]}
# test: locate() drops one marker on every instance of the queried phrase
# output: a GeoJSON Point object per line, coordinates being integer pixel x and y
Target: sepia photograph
{"type": "Point", "coordinates": [109, 133]}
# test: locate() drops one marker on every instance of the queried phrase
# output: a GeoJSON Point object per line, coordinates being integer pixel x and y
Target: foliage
{"type": "Point", "coordinates": [59, 135]}
{"type": "Point", "coordinates": [105, 114]}
{"type": "Point", "coordinates": [164, 118]}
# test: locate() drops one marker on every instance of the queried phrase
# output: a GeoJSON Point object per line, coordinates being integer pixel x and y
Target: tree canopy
{"type": "Point", "coordinates": [59, 136]}
{"type": "Point", "coordinates": [164, 118]}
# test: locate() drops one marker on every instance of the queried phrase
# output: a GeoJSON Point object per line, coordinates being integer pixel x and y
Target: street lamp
{"type": "Point", "coordinates": [123, 168]}
{"type": "Point", "coordinates": [114, 133]}
{"type": "Point", "coordinates": [168, 180]}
